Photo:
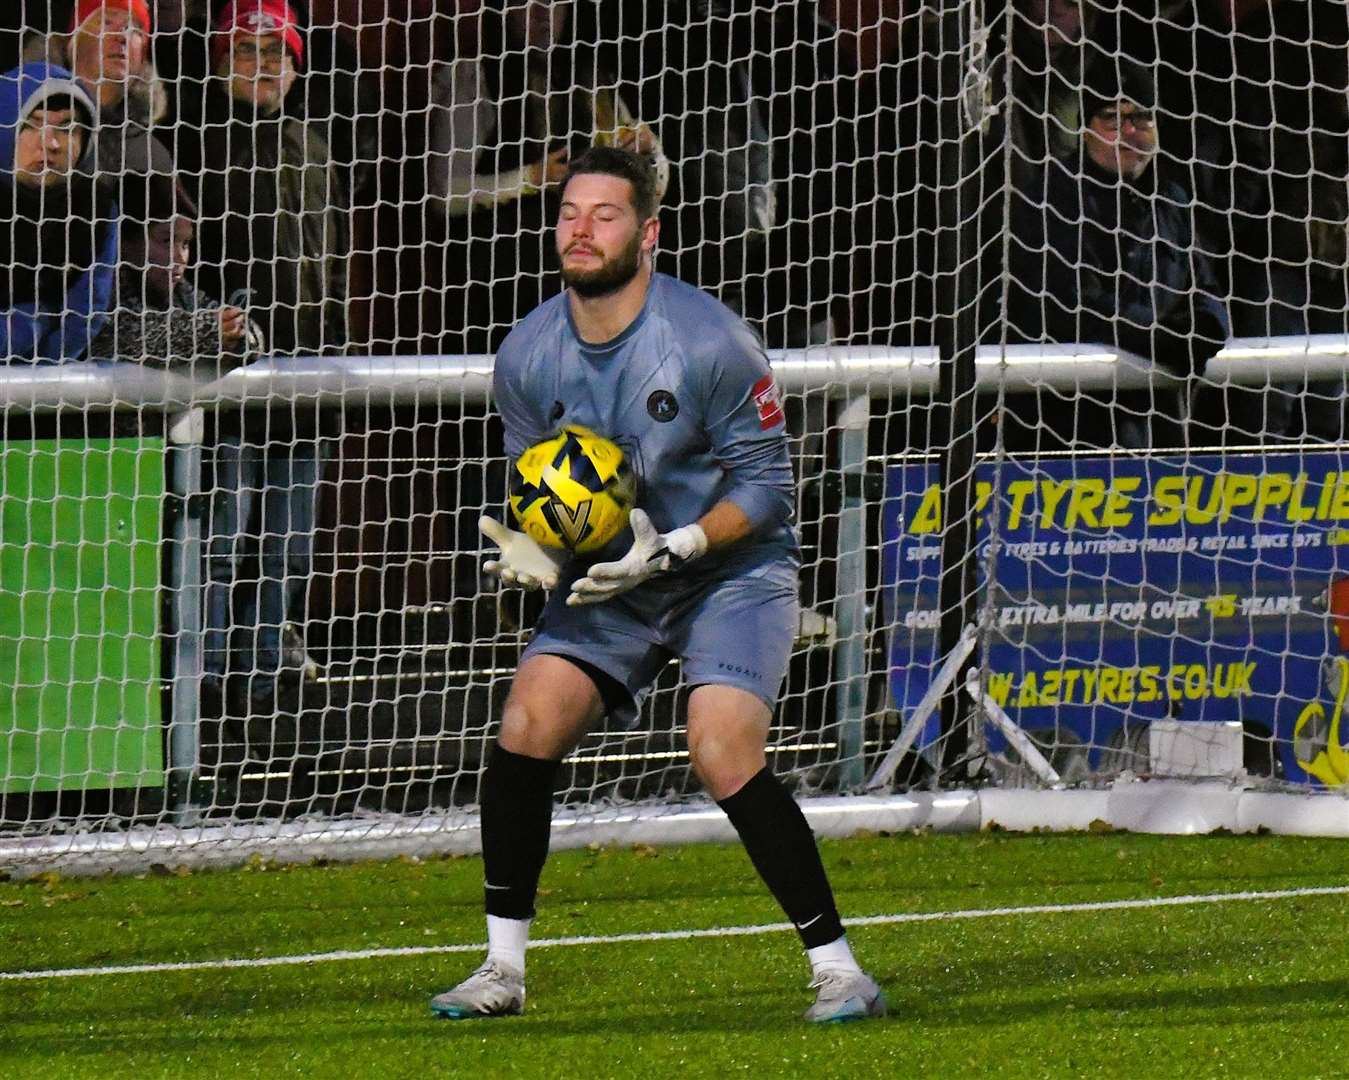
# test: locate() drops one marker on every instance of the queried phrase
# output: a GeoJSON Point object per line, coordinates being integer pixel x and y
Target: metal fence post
{"type": "Point", "coordinates": [186, 432]}
{"type": "Point", "coordinates": [850, 612]}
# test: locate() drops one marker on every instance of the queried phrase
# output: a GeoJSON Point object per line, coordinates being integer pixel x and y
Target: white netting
{"type": "Point", "coordinates": [1163, 342]}
{"type": "Point", "coordinates": [261, 603]}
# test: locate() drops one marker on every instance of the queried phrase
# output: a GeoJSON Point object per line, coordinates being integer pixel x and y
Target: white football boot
{"type": "Point", "coordinates": [845, 994]}
{"type": "Point", "coordinates": [495, 989]}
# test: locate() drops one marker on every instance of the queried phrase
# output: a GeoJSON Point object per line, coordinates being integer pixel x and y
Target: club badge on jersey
{"type": "Point", "coordinates": [768, 400]}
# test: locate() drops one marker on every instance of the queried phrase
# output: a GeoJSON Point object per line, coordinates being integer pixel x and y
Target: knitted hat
{"type": "Point", "coordinates": [258, 17]}
{"type": "Point", "coordinates": [155, 196]}
{"type": "Point", "coordinates": [1108, 82]}
{"type": "Point", "coordinates": [86, 9]}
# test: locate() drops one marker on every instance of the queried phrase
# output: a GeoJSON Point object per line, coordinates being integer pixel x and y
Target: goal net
{"type": "Point", "coordinates": [1055, 293]}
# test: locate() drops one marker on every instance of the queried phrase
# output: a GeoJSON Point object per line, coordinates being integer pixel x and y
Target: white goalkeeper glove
{"type": "Point", "coordinates": [522, 562]}
{"type": "Point", "coordinates": [651, 553]}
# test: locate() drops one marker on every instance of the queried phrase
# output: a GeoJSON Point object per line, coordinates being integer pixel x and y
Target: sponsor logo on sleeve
{"type": "Point", "coordinates": [768, 400]}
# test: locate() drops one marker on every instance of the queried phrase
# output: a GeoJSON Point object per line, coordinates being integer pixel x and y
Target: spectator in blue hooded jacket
{"type": "Point", "coordinates": [58, 227]}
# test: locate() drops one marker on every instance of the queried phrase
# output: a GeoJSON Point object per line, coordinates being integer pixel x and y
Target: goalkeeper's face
{"type": "Point", "coordinates": [601, 241]}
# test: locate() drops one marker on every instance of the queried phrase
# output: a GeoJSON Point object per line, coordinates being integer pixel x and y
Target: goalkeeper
{"type": "Point", "coordinates": [708, 573]}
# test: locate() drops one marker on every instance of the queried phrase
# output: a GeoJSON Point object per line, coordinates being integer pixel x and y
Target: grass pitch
{"type": "Point", "coordinates": [1250, 988]}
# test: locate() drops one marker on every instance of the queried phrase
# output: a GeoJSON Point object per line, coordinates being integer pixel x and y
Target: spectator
{"type": "Point", "coordinates": [1102, 252]}
{"type": "Point", "coordinates": [510, 117]}
{"type": "Point", "coordinates": [58, 227]}
{"type": "Point", "coordinates": [161, 319]}
{"type": "Point", "coordinates": [274, 242]}
{"type": "Point", "coordinates": [164, 321]}
{"type": "Point", "coordinates": [274, 230]}
{"type": "Point", "coordinates": [108, 49]}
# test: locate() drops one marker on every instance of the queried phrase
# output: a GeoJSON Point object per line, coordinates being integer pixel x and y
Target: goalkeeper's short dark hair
{"type": "Point", "coordinates": [636, 169]}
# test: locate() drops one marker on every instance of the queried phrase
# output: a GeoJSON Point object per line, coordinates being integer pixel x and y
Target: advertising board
{"type": "Point", "coordinates": [1130, 588]}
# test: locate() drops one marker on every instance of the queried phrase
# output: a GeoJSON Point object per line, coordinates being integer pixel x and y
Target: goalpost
{"type": "Point", "coordinates": [1069, 441]}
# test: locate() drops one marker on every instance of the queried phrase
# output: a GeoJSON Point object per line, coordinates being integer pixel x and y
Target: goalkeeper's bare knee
{"type": "Point", "coordinates": [552, 704]}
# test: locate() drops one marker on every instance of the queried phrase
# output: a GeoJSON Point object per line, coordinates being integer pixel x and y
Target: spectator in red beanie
{"type": "Point", "coordinates": [108, 49]}
{"type": "Point", "coordinates": [263, 38]}
{"type": "Point", "coordinates": [274, 242]}
{"type": "Point", "coordinates": [109, 45]}
{"type": "Point", "coordinates": [274, 218]}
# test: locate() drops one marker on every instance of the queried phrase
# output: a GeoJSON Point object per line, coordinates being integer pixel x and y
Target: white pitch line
{"type": "Point", "coordinates": [684, 935]}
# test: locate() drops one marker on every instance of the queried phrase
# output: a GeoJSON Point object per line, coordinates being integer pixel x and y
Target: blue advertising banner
{"type": "Point", "coordinates": [1137, 587]}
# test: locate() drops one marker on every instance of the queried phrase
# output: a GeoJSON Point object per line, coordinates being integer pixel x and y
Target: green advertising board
{"type": "Point", "coordinates": [79, 614]}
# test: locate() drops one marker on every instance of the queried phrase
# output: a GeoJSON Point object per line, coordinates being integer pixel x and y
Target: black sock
{"type": "Point", "coordinates": [517, 817]}
{"type": "Point", "coordinates": [782, 848]}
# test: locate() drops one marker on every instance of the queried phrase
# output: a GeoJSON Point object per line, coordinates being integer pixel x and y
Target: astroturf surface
{"type": "Point", "coordinates": [1252, 988]}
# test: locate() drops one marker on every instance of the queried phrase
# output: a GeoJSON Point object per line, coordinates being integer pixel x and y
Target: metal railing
{"type": "Point", "coordinates": [852, 376]}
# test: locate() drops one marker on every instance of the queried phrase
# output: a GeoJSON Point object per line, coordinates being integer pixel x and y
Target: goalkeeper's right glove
{"type": "Point", "coordinates": [522, 563]}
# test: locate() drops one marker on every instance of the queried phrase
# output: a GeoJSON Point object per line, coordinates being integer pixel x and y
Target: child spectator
{"type": "Point", "coordinates": [161, 319]}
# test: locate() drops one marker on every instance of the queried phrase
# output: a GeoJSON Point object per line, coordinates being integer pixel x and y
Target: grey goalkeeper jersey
{"type": "Point", "coordinates": [686, 391]}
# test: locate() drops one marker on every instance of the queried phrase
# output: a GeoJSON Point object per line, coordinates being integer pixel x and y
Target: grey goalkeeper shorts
{"type": "Point", "coordinates": [735, 631]}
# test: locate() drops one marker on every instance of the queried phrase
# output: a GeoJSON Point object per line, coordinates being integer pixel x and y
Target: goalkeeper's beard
{"type": "Point", "coordinates": [608, 277]}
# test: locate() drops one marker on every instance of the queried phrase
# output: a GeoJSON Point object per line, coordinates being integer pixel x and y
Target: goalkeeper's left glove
{"type": "Point", "coordinates": [651, 553]}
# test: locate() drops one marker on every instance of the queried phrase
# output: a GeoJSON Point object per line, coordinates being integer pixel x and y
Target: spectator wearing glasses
{"type": "Point", "coordinates": [58, 226]}
{"type": "Point", "coordinates": [274, 231]}
{"type": "Point", "coordinates": [1103, 252]}
{"type": "Point", "coordinates": [273, 241]}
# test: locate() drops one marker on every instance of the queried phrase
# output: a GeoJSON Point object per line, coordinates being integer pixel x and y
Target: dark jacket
{"type": "Point", "coordinates": [126, 144]}
{"type": "Point", "coordinates": [274, 235]}
{"type": "Point", "coordinates": [1096, 259]}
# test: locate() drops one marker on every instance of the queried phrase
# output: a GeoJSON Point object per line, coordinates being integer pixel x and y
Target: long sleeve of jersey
{"type": "Point", "coordinates": [519, 414]}
{"type": "Point", "coordinates": [747, 427]}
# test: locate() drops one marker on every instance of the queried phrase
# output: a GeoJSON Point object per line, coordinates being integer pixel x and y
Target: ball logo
{"type": "Point", "coordinates": [572, 522]}
{"type": "Point", "coordinates": [572, 490]}
{"type": "Point", "coordinates": [768, 400]}
{"type": "Point", "coordinates": [662, 406]}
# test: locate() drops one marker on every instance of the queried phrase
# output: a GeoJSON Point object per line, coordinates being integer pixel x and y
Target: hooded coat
{"type": "Point", "coordinates": [58, 243]}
